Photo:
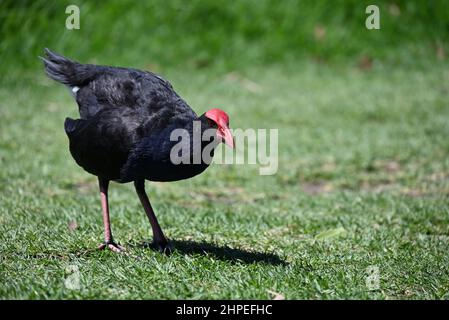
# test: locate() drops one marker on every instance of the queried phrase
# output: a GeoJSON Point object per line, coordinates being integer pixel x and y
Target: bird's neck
{"type": "Point", "coordinates": [202, 135]}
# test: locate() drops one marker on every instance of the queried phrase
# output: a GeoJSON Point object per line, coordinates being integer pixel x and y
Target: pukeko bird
{"type": "Point", "coordinates": [123, 134]}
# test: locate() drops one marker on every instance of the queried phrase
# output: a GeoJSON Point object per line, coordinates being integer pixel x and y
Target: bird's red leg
{"type": "Point", "coordinates": [159, 239]}
{"type": "Point", "coordinates": [108, 240]}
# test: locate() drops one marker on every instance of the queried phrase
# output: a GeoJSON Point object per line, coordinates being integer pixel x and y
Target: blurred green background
{"type": "Point", "coordinates": [231, 34]}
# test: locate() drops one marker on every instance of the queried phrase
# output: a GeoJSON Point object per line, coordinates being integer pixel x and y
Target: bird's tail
{"type": "Point", "coordinates": [66, 71]}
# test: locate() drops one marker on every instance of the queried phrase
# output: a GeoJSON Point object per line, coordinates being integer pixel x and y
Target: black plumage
{"type": "Point", "coordinates": [126, 118]}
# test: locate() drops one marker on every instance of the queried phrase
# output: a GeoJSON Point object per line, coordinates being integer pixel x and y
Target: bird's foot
{"type": "Point", "coordinates": [111, 245]}
{"type": "Point", "coordinates": [163, 246]}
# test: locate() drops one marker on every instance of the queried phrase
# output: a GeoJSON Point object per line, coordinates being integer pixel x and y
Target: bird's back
{"type": "Point", "coordinates": [99, 87]}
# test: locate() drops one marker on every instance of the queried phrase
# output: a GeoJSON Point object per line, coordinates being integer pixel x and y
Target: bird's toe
{"type": "Point", "coordinates": [111, 246]}
{"type": "Point", "coordinates": [116, 248]}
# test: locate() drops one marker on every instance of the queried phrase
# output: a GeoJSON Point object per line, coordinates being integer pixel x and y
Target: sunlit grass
{"type": "Point", "coordinates": [362, 181]}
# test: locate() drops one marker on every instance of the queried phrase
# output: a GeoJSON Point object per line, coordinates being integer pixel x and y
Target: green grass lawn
{"type": "Point", "coordinates": [363, 184]}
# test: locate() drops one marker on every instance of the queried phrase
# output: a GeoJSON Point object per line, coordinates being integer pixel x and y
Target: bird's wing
{"type": "Point", "coordinates": [126, 88]}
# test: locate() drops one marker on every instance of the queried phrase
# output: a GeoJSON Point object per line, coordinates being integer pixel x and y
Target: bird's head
{"type": "Point", "coordinates": [219, 119]}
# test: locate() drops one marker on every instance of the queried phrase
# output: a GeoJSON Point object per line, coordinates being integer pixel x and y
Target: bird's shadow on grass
{"type": "Point", "coordinates": [224, 253]}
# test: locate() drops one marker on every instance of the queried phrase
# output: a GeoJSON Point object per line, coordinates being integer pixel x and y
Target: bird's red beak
{"type": "Point", "coordinates": [225, 134]}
